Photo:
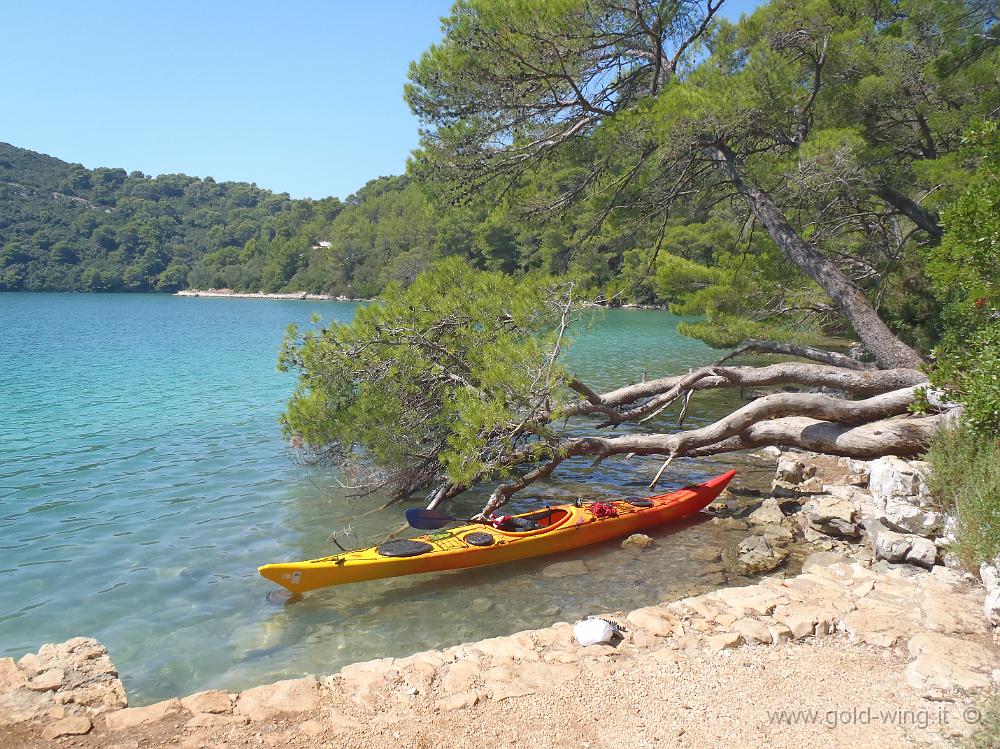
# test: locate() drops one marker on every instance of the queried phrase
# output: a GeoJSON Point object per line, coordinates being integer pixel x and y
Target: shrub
{"type": "Point", "coordinates": [965, 480]}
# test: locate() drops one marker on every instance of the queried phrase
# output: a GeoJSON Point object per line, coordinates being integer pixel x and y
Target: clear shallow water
{"type": "Point", "coordinates": [143, 479]}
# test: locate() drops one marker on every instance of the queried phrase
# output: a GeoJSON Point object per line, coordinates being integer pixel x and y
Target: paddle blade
{"type": "Point", "coordinates": [428, 520]}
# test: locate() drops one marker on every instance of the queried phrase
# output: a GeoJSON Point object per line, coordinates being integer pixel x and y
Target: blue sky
{"type": "Point", "coordinates": [301, 97]}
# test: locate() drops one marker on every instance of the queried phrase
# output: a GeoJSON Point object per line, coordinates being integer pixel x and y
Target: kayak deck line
{"type": "Point", "coordinates": [560, 528]}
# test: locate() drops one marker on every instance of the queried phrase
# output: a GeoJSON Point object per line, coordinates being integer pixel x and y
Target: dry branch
{"type": "Point", "coordinates": [851, 381]}
{"type": "Point", "coordinates": [860, 429]}
{"type": "Point", "coordinates": [790, 349]}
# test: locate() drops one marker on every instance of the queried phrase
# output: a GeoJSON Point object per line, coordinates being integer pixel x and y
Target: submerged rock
{"type": "Point", "coordinates": [705, 554]}
{"type": "Point", "coordinates": [769, 513]}
{"type": "Point", "coordinates": [733, 523]}
{"type": "Point", "coordinates": [754, 554]}
{"type": "Point", "coordinates": [481, 605]}
{"type": "Point", "coordinates": [566, 569]}
{"type": "Point", "coordinates": [777, 535]}
{"type": "Point", "coordinates": [637, 541]}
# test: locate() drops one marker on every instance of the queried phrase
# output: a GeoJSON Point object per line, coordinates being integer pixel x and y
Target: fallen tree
{"type": "Point", "coordinates": [801, 120]}
{"type": "Point", "coordinates": [458, 381]}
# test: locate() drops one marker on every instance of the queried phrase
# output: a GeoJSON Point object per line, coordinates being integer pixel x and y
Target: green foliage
{"type": "Point", "coordinates": [433, 379]}
{"type": "Point", "coordinates": [965, 481]}
{"type": "Point", "coordinates": [969, 368]}
{"type": "Point", "coordinates": [64, 227]}
{"type": "Point", "coordinates": [965, 272]}
{"type": "Point", "coordinates": [986, 732]}
{"type": "Point", "coordinates": [965, 267]}
{"type": "Point", "coordinates": [741, 289]}
{"type": "Point", "coordinates": [848, 116]}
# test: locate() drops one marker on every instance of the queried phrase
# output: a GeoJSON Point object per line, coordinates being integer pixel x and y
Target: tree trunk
{"type": "Point", "coordinates": [887, 349]}
{"type": "Point", "coordinates": [911, 209]}
{"type": "Point", "coordinates": [863, 383]}
{"type": "Point", "coordinates": [854, 438]}
{"type": "Point", "coordinates": [822, 356]}
{"type": "Point", "coordinates": [770, 409]}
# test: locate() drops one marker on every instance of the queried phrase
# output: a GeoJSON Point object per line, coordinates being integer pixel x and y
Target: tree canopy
{"type": "Point", "coordinates": [800, 111]}
{"type": "Point", "coordinates": [454, 374]}
{"type": "Point", "coordinates": [965, 272]}
{"type": "Point", "coordinates": [796, 174]}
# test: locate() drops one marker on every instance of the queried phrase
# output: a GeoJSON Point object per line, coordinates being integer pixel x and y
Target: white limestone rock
{"type": "Point", "coordinates": [991, 608]}
{"type": "Point", "coordinates": [901, 547]}
{"type": "Point", "coordinates": [900, 493]}
{"type": "Point", "coordinates": [922, 553]}
{"type": "Point", "coordinates": [894, 477]}
{"type": "Point", "coordinates": [790, 470]}
{"type": "Point", "coordinates": [990, 575]}
{"type": "Point", "coordinates": [752, 631]}
{"type": "Point", "coordinates": [946, 664]}
{"type": "Point", "coordinates": [832, 515]}
{"type": "Point", "coordinates": [130, 717]}
{"type": "Point", "coordinates": [769, 513]}
{"type": "Point", "coordinates": [73, 726]}
{"type": "Point", "coordinates": [288, 696]}
{"type": "Point", "coordinates": [822, 559]}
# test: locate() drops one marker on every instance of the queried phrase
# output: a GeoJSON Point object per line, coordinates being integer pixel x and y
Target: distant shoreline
{"type": "Point", "coordinates": [307, 296]}
{"type": "Point", "coordinates": [293, 296]}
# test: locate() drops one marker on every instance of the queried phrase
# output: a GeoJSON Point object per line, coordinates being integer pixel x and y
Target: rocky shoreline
{"type": "Point", "coordinates": [880, 618]}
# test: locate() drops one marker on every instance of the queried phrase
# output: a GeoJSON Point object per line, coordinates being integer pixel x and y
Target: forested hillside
{"type": "Point", "coordinates": [64, 227]}
{"type": "Point", "coordinates": [803, 191]}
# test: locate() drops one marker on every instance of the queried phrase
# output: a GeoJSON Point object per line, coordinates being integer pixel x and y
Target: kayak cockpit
{"type": "Point", "coordinates": [538, 522]}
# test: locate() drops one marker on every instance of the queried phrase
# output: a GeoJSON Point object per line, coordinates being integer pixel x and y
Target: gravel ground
{"type": "Point", "coordinates": [700, 701]}
{"type": "Point", "coordinates": [855, 697]}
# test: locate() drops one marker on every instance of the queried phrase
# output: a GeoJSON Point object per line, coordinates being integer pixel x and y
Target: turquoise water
{"type": "Point", "coordinates": [143, 479]}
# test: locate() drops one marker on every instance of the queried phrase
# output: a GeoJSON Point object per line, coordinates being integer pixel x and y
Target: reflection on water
{"type": "Point", "coordinates": [143, 480]}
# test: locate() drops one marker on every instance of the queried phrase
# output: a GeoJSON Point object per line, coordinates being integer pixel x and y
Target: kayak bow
{"type": "Point", "coordinates": [560, 528]}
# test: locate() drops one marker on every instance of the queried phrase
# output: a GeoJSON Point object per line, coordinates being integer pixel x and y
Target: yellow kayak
{"type": "Point", "coordinates": [557, 528]}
